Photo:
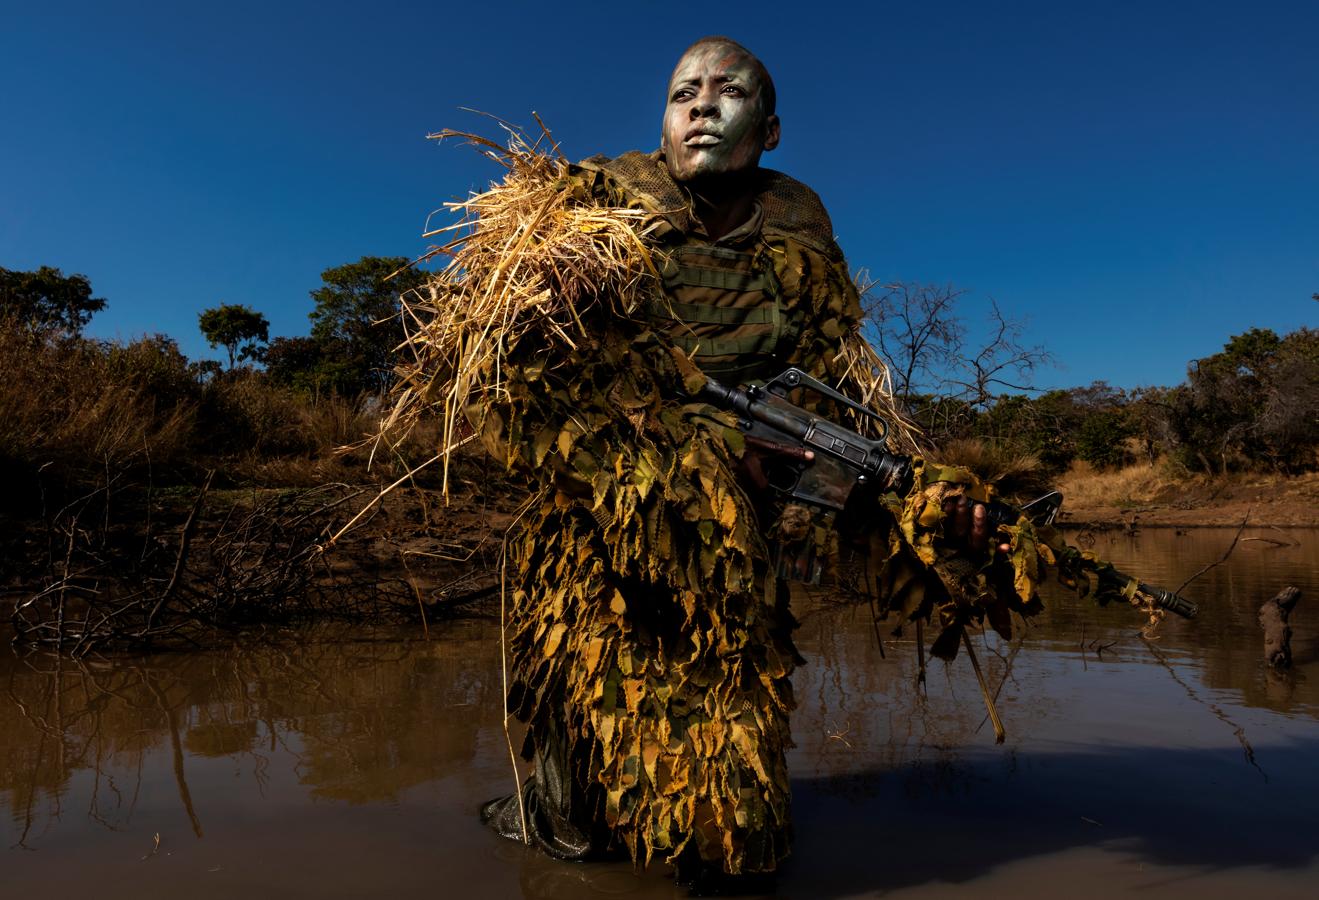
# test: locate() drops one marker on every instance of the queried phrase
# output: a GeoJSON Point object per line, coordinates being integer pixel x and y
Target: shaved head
{"type": "Point", "coordinates": [719, 117]}
{"type": "Point", "coordinates": [768, 97]}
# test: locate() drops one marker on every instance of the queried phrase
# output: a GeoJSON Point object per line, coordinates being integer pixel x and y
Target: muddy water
{"type": "Point", "coordinates": [347, 765]}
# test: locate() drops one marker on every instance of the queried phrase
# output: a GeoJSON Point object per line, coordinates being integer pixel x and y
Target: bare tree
{"type": "Point", "coordinates": [921, 335]}
{"type": "Point", "coordinates": [916, 330]}
{"type": "Point", "coordinates": [1003, 363]}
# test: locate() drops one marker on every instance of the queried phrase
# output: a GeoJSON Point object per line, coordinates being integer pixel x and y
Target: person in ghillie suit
{"type": "Point", "coordinates": [651, 643]}
{"type": "Point", "coordinates": [582, 310]}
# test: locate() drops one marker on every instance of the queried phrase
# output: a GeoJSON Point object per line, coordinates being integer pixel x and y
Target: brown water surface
{"type": "Point", "coordinates": [339, 764]}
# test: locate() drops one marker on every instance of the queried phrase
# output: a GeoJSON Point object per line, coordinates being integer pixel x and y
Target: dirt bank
{"type": "Point", "coordinates": [1145, 496]}
{"type": "Point", "coordinates": [139, 565]}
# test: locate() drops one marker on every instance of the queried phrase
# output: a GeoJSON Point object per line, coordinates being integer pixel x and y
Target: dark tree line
{"type": "Point", "coordinates": [47, 302]}
{"type": "Point", "coordinates": [1254, 405]}
{"type": "Point", "coordinates": [349, 350]}
{"type": "Point", "coordinates": [76, 408]}
{"type": "Point", "coordinates": [355, 330]}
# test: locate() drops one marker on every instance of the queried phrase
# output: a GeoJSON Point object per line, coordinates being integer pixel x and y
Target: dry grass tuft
{"type": "Point", "coordinates": [866, 379]}
{"type": "Point", "coordinates": [1012, 472]}
{"type": "Point", "coordinates": [523, 258]}
{"type": "Point", "coordinates": [1086, 487]}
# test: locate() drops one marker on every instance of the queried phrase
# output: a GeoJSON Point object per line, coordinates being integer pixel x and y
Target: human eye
{"type": "Point", "coordinates": [681, 94]}
{"type": "Point", "coordinates": [734, 90]}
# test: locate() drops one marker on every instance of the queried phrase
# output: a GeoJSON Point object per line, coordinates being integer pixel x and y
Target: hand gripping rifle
{"type": "Point", "coordinates": [823, 464]}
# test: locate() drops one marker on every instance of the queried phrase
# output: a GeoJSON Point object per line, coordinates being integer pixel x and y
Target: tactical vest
{"type": "Point", "coordinates": [723, 306]}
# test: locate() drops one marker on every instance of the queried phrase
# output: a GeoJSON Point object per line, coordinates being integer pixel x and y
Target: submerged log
{"type": "Point", "coordinates": [1273, 617]}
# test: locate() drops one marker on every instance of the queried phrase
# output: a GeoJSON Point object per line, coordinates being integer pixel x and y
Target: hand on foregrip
{"type": "Point", "coordinates": [967, 524]}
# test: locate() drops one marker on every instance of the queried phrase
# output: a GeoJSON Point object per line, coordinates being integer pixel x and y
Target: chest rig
{"type": "Point", "coordinates": [724, 306]}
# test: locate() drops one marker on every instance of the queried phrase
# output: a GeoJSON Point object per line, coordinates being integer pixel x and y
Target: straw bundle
{"type": "Point", "coordinates": [523, 258]}
{"type": "Point", "coordinates": [865, 378]}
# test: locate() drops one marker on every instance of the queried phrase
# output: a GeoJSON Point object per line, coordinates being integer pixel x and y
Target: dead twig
{"type": "Point", "coordinates": [1230, 547]}
{"type": "Point", "coordinates": [1000, 734]}
{"type": "Point", "coordinates": [1238, 731]}
{"type": "Point", "coordinates": [185, 541]}
{"type": "Point", "coordinates": [503, 672]}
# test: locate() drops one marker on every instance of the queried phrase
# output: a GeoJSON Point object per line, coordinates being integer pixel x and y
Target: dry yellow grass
{"type": "Point", "coordinates": [523, 257]}
{"type": "Point", "coordinates": [63, 404]}
{"type": "Point", "coordinates": [84, 411]}
{"type": "Point", "coordinates": [1136, 485]}
{"type": "Point", "coordinates": [1165, 494]}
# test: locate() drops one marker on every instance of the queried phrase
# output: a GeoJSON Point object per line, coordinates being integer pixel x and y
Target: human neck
{"type": "Point", "coordinates": [722, 203]}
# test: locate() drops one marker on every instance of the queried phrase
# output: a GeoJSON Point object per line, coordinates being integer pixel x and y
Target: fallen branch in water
{"type": "Point", "coordinates": [227, 563]}
{"type": "Point", "coordinates": [1230, 547]}
{"type": "Point", "coordinates": [1237, 730]}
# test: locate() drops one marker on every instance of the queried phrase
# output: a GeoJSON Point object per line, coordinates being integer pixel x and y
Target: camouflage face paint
{"type": "Point", "coordinates": [714, 121]}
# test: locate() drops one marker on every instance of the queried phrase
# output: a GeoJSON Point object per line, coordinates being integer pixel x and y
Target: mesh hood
{"type": "Point", "coordinates": [791, 208]}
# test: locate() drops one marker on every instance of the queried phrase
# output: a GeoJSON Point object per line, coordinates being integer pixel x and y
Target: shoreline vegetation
{"type": "Point", "coordinates": [151, 499]}
{"type": "Point", "coordinates": [1141, 496]}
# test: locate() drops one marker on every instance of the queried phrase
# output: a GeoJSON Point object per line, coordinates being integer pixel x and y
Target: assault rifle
{"type": "Point", "coordinates": [823, 464]}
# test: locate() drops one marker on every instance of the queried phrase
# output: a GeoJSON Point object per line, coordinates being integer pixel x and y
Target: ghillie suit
{"type": "Point", "coordinates": [650, 640]}
{"type": "Point", "coordinates": [650, 645]}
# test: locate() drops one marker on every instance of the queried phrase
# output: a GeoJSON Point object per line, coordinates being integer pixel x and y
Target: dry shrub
{"type": "Point", "coordinates": [83, 411]}
{"type": "Point", "coordinates": [336, 421]}
{"type": "Point", "coordinates": [275, 435]}
{"type": "Point", "coordinates": [1086, 487]}
{"type": "Point", "coordinates": [1012, 471]}
{"type": "Point", "coordinates": [244, 414]}
{"type": "Point", "coordinates": [247, 413]}
{"type": "Point", "coordinates": [66, 404]}
{"type": "Point", "coordinates": [340, 447]}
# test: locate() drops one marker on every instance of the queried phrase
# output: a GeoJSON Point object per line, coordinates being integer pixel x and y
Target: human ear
{"type": "Point", "coordinates": [771, 132]}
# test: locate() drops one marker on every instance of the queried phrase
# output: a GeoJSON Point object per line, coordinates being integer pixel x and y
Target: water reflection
{"type": "Point", "coordinates": [1225, 643]}
{"type": "Point", "coordinates": [338, 764]}
{"type": "Point", "coordinates": [361, 720]}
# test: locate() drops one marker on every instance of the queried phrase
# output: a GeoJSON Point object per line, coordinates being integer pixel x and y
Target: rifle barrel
{"type": "Point", "coordinates": [1173, 603]}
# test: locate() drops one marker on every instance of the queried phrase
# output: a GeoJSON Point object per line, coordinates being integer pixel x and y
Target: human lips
{"type": "Point", "coordinates": [700, 137]}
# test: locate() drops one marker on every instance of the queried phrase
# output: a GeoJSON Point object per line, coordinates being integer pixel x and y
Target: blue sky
{"type": "Point", "coordinates": [1138, 181]}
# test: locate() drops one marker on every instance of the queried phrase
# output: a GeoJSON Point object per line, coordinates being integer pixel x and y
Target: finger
{"type": "Point", "coordinates": [979, 527]}
{"type": "Point", "coordinates": [963, 517]}
{"type": "Point", "coordinates": [950, 505]}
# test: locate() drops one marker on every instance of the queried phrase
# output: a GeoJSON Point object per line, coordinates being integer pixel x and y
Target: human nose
{"type": "Point", "coordinates": [705, 106]}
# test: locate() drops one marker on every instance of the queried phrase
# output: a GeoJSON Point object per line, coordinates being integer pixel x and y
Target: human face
{"type": "Point", "coordinates": [714, 123]}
